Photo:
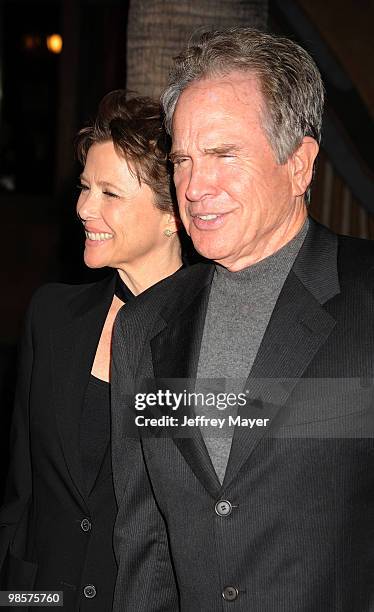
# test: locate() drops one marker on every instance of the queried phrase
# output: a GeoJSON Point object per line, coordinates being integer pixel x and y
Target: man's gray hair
{"type": "Point", "coordinates": [289, 81]}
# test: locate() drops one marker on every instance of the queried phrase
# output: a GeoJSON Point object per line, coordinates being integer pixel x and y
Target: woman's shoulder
{"type": "Point", "coordinates": [62, 299]}
{"type": "Point", "coordinates": [57, 292]}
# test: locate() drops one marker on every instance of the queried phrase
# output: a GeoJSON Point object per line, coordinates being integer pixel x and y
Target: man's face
{"type": "Point", "coordinates": [235, 200]}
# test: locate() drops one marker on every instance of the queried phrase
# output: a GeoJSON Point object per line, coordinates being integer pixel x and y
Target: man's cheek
{"type": "Point", "coordinates": [183, 211]}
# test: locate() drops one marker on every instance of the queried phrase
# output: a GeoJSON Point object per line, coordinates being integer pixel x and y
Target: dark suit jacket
{"type": "Point", "coordinates": [43, 542]}
{"type": "Point", "coordinates": [299, 535]}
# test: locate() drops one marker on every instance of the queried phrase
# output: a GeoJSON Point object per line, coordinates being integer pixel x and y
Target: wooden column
{"type": "Point", "coordinates": [158, 29]}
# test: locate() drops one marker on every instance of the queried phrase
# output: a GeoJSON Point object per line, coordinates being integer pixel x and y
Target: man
{"type": "Point", "coordinates": [273, 511]}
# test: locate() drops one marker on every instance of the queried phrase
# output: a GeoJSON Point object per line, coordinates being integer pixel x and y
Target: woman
{"type": "Point", "coordinates": [57, 522]}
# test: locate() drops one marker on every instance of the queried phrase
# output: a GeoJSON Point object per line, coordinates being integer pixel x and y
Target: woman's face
{"type": "Point", "coordinates": [122, 224]}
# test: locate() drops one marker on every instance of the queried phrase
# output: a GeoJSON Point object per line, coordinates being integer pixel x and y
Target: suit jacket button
{"type": "Point", "coordinates": [86, 524]}
{"type": "Point", "coordinates": [223, 507]}
{"type": "Point", "coordinates": [89, 591]}
{"type": "Point", "coordinates": [230, 593]}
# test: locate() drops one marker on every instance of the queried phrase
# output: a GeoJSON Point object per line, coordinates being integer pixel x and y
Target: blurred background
{"type": "Point", "coordinates": [57, 60]}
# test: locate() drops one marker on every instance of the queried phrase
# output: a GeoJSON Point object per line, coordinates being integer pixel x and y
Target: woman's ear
{"type": "Point", "coordinates": [172, 223]}
{"type": "Point", "coordinates": [301, 165]}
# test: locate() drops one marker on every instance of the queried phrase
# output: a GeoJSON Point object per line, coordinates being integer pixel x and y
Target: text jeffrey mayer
{"type": "Point", "coordinates": [202, 421]}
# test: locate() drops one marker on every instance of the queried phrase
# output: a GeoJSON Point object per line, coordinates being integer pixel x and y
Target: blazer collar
{"type": "Point", "coordinates": [74, 347]}
{"type": "Point", "coordinates": [316, 264]}
{"type": "Point", "coordinates": [298, 327]}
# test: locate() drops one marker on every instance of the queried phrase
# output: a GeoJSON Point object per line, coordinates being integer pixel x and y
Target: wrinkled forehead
{"type": "Point", "coordinates": [233, 88]}
{"type": "Point", "coordinates": [216, 102]}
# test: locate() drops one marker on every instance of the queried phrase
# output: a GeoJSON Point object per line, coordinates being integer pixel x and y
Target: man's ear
{"type": "Point", "coordinates": [301, 165]}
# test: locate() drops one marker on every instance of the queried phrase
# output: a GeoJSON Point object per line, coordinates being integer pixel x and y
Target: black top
{"type": "Point", "coordinates": [94, 428]}
{"type": "Point", "coordinates": [122, 291]}
{"type": "Point", "coordinates": [94, 433]}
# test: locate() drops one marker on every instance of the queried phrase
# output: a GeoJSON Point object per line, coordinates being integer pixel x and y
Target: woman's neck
{"type": "Point", "coordinates": [141, 275]}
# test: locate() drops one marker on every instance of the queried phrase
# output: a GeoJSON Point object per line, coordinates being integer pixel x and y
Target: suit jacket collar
{"type": "Point", "coordinates": [316, 264]}
{"type": "Point", "coordinates": [74, 347]}
{"type": "Point", "coordinates": [298, 327]}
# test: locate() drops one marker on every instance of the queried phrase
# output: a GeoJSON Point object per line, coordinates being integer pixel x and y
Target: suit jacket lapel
{"type": "Point", "coordinates": [297, 329]}
{"type": "Point", "coordinates": [73, 349]}
{"type": "Point", "coordinates": [175, 356]}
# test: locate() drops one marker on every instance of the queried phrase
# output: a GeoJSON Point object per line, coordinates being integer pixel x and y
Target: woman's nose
{"type": "Point", "coordinates": [87, 205]}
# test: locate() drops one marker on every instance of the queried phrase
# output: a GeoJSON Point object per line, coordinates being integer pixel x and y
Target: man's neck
{"type": "Point", "coordinates": [269, 244]}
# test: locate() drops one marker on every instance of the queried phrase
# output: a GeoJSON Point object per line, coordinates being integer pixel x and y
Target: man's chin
{"type": "Point", "coordinates": [210, 251]}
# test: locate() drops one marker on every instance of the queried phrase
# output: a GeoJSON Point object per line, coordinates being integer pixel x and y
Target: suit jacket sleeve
{"type": "Point", "coordinates": [19, 482]}
{"type": "Point", "coordinates": [145, 581]}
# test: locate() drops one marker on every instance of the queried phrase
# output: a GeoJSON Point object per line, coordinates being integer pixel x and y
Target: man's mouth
{"type": "Point", "coordinates": [206, 217]}
{"type": "Point", "coordinates": [208, 221]}
{"type": "Point", "coordinates": [96, 236]}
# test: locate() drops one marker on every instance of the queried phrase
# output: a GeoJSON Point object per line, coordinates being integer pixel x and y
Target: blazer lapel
{"type": "Point", "coordinates": [297, 329]}
{"type": "Point", "coordinates": [104, 469]}
{"type": "Point", "coordinates": [175, 355]}
{"type": "Point", "coordinates": [73, 349]}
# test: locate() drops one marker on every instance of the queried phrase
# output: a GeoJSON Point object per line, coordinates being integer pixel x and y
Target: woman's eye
{"type": "Point", "coordinates": [82, 187]}
{"type": "Point", "coordinates": [110, 194]}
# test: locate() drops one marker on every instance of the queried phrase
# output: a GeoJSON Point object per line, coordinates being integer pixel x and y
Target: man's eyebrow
{"type": "Point", "coordinates": [222, 149]}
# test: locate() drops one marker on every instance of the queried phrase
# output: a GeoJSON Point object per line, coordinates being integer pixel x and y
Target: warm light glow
{"type": "Point", "coordinates": [54, 43]}
{"type": "Point", "coordinates": [31, 41]}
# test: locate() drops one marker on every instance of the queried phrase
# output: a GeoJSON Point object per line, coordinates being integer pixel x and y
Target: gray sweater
{"type": "Point", "coordinates": [239, 309]}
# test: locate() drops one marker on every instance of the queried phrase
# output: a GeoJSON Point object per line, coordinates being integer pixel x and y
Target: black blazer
{"type": "Point", "coordinates": [45, 541]}
{"type": "Point", "coordinates": [296, 530]}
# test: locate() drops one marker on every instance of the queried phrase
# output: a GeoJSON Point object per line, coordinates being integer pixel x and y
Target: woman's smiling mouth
{"type": "Point", "coordinates": [97, 236]}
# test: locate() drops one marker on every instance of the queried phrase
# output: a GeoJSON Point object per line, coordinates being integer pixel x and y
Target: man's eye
{"type": "Point", "coordinates": [179, 160]}
{"type": "Point", "coordinates": [82, 187]}
{"type": "Point", "coordinates": [110, 194]}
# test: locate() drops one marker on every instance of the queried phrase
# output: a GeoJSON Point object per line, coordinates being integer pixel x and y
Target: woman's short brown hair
{"type": "Point", "coordinates": [135, 128]}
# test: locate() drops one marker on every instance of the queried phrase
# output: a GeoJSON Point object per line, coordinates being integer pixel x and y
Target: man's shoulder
{"type": "Point", "coordinates": [360, 249]}
{"type": "Point", "coordinates": [355, 257]}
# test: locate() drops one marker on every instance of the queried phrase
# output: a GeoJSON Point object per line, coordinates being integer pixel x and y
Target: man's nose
{"type": "Point", "coordinates": [202, 182]}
